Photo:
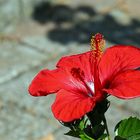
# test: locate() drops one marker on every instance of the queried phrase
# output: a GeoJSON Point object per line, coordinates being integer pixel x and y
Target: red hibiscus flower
{"type": "Point", "coordinates": [80, 81]}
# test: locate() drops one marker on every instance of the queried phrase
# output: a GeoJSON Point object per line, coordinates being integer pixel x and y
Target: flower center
{"type": "Point", "coordinates": [94, 88]}
{"type": "Point", "coordinates": [91, 86]}
{"type": "Point", "coordinates": [78, 74]}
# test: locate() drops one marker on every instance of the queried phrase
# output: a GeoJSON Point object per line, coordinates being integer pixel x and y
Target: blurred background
{"type": "Point", "coordinates": [34, 34]}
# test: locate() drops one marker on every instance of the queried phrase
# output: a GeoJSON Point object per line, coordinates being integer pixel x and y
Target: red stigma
{"type": "Point", "coordinates": [98, 37]}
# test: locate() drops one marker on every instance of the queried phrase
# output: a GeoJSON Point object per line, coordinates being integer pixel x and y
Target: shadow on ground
{"type": "Point", "coordinates": [77, 24]}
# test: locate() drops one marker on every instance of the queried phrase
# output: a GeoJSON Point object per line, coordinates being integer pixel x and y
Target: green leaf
{"type": "Point", "coordinates": [73, 134]}
{"type": "Point", "coordinates": [85, 137]}
{"type": "Point", "coordinates": [119, 138]}
{"type": "Point", "coordinates": [135, 137]}
{"type": "Point", "coordinates": [82, 125]}
{"type": "Point", "coordinates": [103, 137]}
{"type": "Point", "coordinates": [128, 128]}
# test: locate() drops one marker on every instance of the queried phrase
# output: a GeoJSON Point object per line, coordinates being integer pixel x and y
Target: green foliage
{"type": "Point", "coordinates": [128, 129]}
{"type": "Point", "coordinates": [92, 127]}
{"type": "Point", "coordinates": [82, 129]}
{"type": "Point", "coordinates": [79, 130]}
{"type": "Point", "coordinates": [85, 137]}
{"type": "Point", "coordinates": [73, 134]}
{"type": "Point", "coordinates": [103, 137]}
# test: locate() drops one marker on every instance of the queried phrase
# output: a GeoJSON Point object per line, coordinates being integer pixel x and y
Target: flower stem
{"type": "Point", "coordinates": [106, 127]}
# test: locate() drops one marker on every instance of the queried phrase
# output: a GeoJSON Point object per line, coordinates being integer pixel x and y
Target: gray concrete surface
{"type": "Point", "coordinates": [27, 46]}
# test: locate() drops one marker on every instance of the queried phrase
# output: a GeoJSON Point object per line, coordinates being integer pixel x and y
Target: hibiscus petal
{"type": "Point", "coordinates": [50, 81]}
{"type": "Point", "coordinates": [125, 85]}
{"type": "Point", "coordinates": [69, 106]}
{"type": "Point", "coordinates": [45, 82]}
{"type": "Point", "coordinates": [82, 61]}
{"type": "Point", "coordinates": [117, 59]}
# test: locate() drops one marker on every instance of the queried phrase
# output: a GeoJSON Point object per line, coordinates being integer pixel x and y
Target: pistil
{"type": "Point", "coordinates": [97, 45]}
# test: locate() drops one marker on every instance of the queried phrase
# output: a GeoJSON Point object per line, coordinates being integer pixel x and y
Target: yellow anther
{"type": "Point", "coordinates": [97, 44]}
